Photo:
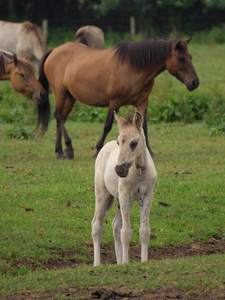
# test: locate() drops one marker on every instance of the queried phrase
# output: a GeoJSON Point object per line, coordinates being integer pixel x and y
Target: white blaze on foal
{"type": "Point", "coordinates": [124, 170]}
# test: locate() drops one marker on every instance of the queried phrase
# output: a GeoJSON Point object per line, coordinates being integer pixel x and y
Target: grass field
{"type": "Point", "coordinates": [37, 225]}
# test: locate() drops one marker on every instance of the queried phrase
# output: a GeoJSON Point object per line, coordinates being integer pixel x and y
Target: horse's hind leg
{"type": "Point", "coordinates": [68, 106]}
{"type": "Point", "coordinates": [58, 144]}
{"type": "Point", "coordinates": [62, 111]}
{"type": "Point", "coordinates": [117, 225]}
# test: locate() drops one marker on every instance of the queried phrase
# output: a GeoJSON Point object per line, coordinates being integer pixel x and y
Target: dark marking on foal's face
{"type": "Point", "coordinates": [133, 145]}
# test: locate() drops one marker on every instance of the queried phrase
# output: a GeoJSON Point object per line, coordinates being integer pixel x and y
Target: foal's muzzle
{"type": "Point", "coordinates": [122, 170]}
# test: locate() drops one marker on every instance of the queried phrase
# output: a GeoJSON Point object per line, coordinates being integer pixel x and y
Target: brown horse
{"type": "Point", "coordinates": [121, 75]}
{"type": "Point", "coordinates": [90, 36]}
{"type": "Point", "coordinates": [20, 71]}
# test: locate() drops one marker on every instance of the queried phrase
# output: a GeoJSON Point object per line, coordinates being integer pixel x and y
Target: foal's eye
{"type": "Point", "coordinates": [133, 145]}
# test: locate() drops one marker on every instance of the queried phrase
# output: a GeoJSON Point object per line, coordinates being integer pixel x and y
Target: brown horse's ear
{"type": "Point", "coordinates": [188, 40]}
{"type": "Point", "coordinates": [178, 45]}
{"type": "Point", "coordinates": [15, 61]}
{"type": "Point", "coordinates": [27, 56]}
{"type": "Point", "coordinates": [138, 120]}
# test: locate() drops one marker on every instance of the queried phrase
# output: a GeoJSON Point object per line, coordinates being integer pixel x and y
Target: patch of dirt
{"type": "Point", "coordinates": [108, 256]}
{"type": "Point", "coordinates": [117, 293]}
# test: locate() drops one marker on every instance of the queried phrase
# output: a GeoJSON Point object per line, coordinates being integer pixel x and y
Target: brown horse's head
{"type": "Point", "coordinates": [179, 65]}
{"type": "Point", "coordinates": [23, 80]}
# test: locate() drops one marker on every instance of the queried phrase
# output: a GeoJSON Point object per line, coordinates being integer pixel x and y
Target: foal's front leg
{"type": "Point", "coordinates": [117, 225]}
{"type": "Point", "coordinates": [144, 232]}
{"type": "Point", "coordinates": [126, 231]}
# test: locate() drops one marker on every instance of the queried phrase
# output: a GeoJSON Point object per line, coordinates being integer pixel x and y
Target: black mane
{"type": "Point", "coordinates": [144, 54]}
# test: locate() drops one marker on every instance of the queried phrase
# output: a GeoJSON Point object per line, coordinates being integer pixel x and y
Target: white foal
{"type": "Point", "coordinates": [124, 170]}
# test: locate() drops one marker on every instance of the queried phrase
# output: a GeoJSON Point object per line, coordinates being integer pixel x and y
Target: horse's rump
{"type": "Point", "coordinates": [90, 36]}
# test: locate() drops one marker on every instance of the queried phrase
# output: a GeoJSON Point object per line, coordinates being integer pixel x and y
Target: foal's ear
{"type": "Point", "coordinates": [27, 56]}
{"type": "Point", "coordinates": [15, 61]}
{"type": "Point", "coordinates": [138, 120]}
{"type": "Point", "coordinates": [119, 119]}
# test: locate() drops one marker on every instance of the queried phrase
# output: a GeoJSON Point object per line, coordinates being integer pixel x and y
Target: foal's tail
{"type": "Point", "coordinates": [43, 108]}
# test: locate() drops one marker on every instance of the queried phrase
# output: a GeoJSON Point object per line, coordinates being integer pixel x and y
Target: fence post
{"type": "Point", "coordinates": [45, 29]}
{"type": "Point", "coordinates": [132, 27]}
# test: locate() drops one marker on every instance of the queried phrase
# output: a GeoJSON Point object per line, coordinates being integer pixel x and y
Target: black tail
{"type": "Point", "coordinates": [43, 108]}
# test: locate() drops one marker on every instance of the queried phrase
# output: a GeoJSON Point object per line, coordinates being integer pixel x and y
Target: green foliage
{"type": "Point", "coordinates": [187, 110]}
{"type": "Point", "coordinates": [19, 132]}
{"type": "Point", "coordinates": [215, 117]}
{"type": "Point", "coordinates": [215, 36]}
{"type": "Point", "coordinates": [87, 113]}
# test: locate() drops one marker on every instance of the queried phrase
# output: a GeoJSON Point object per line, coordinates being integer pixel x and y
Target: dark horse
{"type": "Point", "coordinates": [121, 75]}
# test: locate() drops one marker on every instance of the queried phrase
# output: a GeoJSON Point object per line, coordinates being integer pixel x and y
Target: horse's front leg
{"type": "Point", "coordinates": [144, 232]}
{"type": "Point", "coordinates": [107, 127]}
{"type": "Point", "coordinates": [126, 231]}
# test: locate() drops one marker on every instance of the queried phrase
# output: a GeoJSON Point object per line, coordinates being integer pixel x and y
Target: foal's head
{"type": "Point", "coordinates": [131, 142]}
{"type": "Point", "coordinates": [179, 64]}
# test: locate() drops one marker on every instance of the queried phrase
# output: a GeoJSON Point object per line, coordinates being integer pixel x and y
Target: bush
{"type": "Point", "coordinates": [215, 117]}
{"type": "Point", "coordinates": [187, 110]}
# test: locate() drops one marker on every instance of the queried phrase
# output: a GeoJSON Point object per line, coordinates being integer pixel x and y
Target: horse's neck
{"type": "Point", "coordinates": [154, 71]}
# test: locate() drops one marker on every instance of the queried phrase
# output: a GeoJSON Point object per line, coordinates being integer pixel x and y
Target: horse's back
{"type": "Point", "coordinates": [9, 35]}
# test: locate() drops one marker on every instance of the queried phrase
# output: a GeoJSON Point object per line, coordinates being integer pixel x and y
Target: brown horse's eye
{"type": "Point", "coordinates": [22, 75]}
{"type": "Point", "coordinates": [133, 145]}
{"type": "Point", "coordinates": [181, 59]}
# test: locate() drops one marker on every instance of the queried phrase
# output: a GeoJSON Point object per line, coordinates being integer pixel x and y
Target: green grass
{"type": "Point", "coordinates": [36, 224]}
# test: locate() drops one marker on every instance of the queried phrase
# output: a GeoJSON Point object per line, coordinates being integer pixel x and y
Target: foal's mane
{"type": "Point", "coordinates": [143, 54]}
{"type": "Point", "coordinates": [30, 27]}
{"type": "Point", "coordinates": [23, 64]}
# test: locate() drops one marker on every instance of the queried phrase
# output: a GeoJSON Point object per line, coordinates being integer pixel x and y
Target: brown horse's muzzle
{"type": "Point", "coordinates": [122, 170]}
{"type": "Point", "coordinates": [193, 84]}
{"type": "Point", "coordinates": [41, 98]}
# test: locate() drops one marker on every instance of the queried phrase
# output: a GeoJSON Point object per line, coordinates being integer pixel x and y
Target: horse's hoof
{"type": "Point", "coordinates": [61, 156]}
{"type": "Point", "coordinates": [69, 155]}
